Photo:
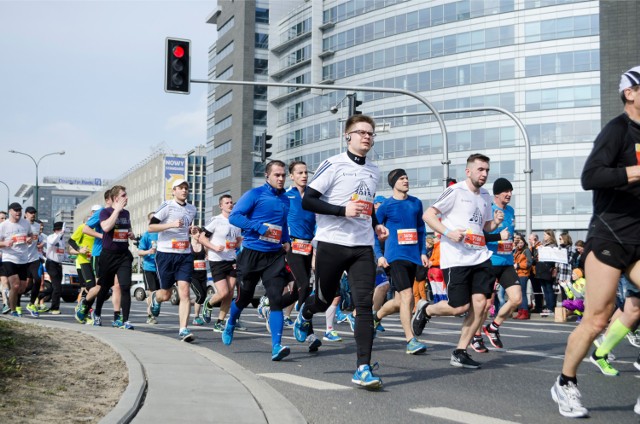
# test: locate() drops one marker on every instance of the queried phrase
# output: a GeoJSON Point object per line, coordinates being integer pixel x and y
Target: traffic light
{"type": "Point", "coordinates": [177, 73]}
{"type": "Point", "coordinates": [353, 104]}
{"type": "Point", "coordinates": [264, 146]}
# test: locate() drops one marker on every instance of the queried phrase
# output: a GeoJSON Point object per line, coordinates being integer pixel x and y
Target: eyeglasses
{"type": "Point", "coordinates": [362, 133]}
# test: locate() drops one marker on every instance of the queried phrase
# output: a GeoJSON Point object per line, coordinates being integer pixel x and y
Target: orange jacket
{"type": "Point", "coordinates": [435, 254]}
{"type": "Point", "coordinates": [522, 260]}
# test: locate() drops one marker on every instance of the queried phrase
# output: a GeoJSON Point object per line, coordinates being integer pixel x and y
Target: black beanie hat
{"type": "Point", "coordinates": [501, 185]}
{"type": "Point", "coordinates": [395, 175]}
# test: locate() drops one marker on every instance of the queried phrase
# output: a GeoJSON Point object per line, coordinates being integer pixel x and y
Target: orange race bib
{"type": "Point", "coordinates": [365, 201]}
{"type": "Point", "coordinates": [230, 245]}
{"type": "Point", "coordinates": [301, 247]}
{"type": "Point", "coordinates": [273, 234]}
{"type": "Point", "coordinates": [409, 236]}
{"type": "Point", "coordinates": [505, 247]}
{"type": "Point", "coordinates": [60, 251]}
{"type": "Point", "coordinates": [179, 244]}
{"type": "Point", "coordinates": [200, 265]}
{"type": "Point", "coordinates": [474, 241]}
{"type": "Point", "coordinates": [19, 238]}
{"type": "Point", "coordinates": [121, 235]}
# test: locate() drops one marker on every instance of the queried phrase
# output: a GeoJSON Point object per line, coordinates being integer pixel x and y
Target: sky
{"type": "Point", "coordinates": [87, 77]}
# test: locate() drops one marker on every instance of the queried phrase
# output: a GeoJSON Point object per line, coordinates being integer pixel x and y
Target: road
{"type": "Point", "coordinates": [512, 386]}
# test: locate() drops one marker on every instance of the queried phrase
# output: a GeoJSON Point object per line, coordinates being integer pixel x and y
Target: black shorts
{"type": "Point", "coordinates": [11, 269]}
{"type": "Point", "coordinates": [87, 275]}
{"type": "Point", "coordinates": [151, 281]}
{"type": "Point", "coordinates": [32, 270]}
{"type": "Point", "coordinates": [114, 264]}
{"type": "Point", "coordinates": [464, 281]}
{"type": "Point", "coordinates": [220, 270]}
{"type": "Point", "coordinates": [506, 275]}
{"type": "Point", "coordinates": [611, 253]}
{"type": "Point", "coordinates": [95, 261]}
{"type": "Point", "coordinates": [402, 274]}
{"type": "Point", "coordinates": [2, 272]}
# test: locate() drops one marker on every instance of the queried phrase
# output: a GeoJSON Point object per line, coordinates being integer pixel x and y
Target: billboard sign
{"type": "Point", "coordinates": [174, 169]}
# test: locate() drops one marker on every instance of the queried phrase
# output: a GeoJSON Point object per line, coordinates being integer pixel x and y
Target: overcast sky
{"type": "Point", "coordinates": [87, 77]}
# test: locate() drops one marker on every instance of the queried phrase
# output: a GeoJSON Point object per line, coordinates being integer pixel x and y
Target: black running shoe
{"type": "Point", "coordinates": [463, 360]}
{"type": "Point", "coordinates": [477, 344]}
{"type": "Point", "coordinates": [494, 337]}
{"type": "Point", "coordinates": [419, 318]}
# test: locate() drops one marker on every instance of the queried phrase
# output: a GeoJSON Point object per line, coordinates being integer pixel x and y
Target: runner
{"type": "Point", "coordinates": [83, 245]}
{"type": "Point", "coordinates": [221, 239]}
{"type": "Point", "coordinates": [147, 247]}
{"type": "Point", "coordinates": [342, 193]}
{"type": "Point", "coordinates": [466, 213]}
{"type": "Point", "coordinates": [405, 250]}
{"type": "Point", "coordinates": [4, 282]}
{"type": "Point", "coordinates": [612, 171]}
{"type": "Point", "coordinates": [261, 213]}
{"type": "Point", "coordinates": [199, 276]}
{"type": "Point", "coordinates": [34, 263]}
{"type": "Point", "coordinates": [56, 251]}
{"type": "Point", "coordinates": [174, 260]}
{"type": "Point", "coordinates": [15, 238]}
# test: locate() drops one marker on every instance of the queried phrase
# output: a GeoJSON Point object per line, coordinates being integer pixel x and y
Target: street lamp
{"type": "Point", "coordinates": [37, 163]}
{"type": "Point", "coordinates": [8, 193]}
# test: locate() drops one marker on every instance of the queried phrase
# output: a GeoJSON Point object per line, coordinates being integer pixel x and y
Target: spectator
{"type": "Point", "coordinates": [522, 263]}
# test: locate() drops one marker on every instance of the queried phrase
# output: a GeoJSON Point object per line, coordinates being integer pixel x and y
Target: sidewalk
{"type": "Point", "coordinates": [172, 381]}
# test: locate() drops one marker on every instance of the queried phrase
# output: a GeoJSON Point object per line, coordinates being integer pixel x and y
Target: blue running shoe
{"type": "Point", "coordinates": [198, 321]}
{"type": "Point", "coordinates": [279, 352]}
{"type": "Point", "coordinates": [97, 321]}
{"type": "Point", "coordinates": [366, 379]}
{"type": "Point", "coordinates": [352, 322]}
{"type": "Point", "coordinates": [15, 314]}
{"type": "Point", "coordinates": [19, 311]}
{"type": "Point", "coordinates": [206, 311]}
{"type": "Point", "coordinates": [118, 323]}
{"type": "Point", "coordinates": [332, 336]}
{"type": "Point", "coordinates": [155, 306]}
{"type": "Point", "coordinates": [33, 310]}
{"type": "Point", "coordinates": [314, 343]}
{"type": "Point", "coordinates": [81, 313]}
{"type": "Point", "coordinates": [341, 317]}
{"type": "Point", "coordinates": [185, 335]}
{"type": "Point", "coordinates": [414, 347]}
{"type": "Point", "coordinates": [301, 327]}
{"type": "Point", "coordinates": [227, 334]}
{"type": "Point", "coordinates": [378, 326]}
{"type": "Point", "coordinates": [127, 326]}
{"type": "Point", "coordinates": [264, 303]}
{"type": "Point", "coordinates": [288, 323]}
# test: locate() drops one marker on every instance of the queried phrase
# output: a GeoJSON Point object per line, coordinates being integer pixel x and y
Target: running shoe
{"type": "Point", "coordinates": [19, 310]}
{"type": "Point", "coordinates": [43, 308]}
{"type": "Point", "coordinates": [352, 322]}
{"type": "Point", "coordinates": [117, 323]}
{"type": "Point", "coordinates": [151, 320]}
{"type": "Point", "coordinates": [227, 334]}
{"type": "Point", "coordinates": [279, 352]}
{"type": "Point", "coordinates": [545, 313]}
{"type": "Point", "coordinates": [264, 303]}
{"type": "Point", "coordinates": [5, 309]}
{"type": "Point", "coordinates": [604, 365]}
{"type": "Point", "coordinates": [568, 400]}
{"type": "Point", "coordinates": [414, 347]}
{"type": "Point", "coordinates": [15, 314]}
{"type": "Point", "coordinates": [185, 335]}
{"type": "Point", "coordinates": [97, 321]}
{"type": "Point", "coordinates": [218, 327]}
{"type": "Point", "coordinates": [81, 313]}
{"type": "Point", "coordinates": [197, 321]}
{"type": "Point", "coordinates": [33, 310]}
{"type": "Point", "coordinates": [301, 327]}
{"type": "Point", "coordinates": [419, 318]}
{"type": "Point", "coordinates": [494, 336]}
{"type": "Point", "coordinates": [314, 343]}
{"type": "Point", "coordinates": [206, 311]}
{"type": "Point", "coordinates": [462, 359]}
{"type": "Point", "coordinates": [636, 408]}
{"type": "Point", "coordinates": [634, 338]}
{"type": "Point", "coordinates": [598, 341]}
{"type": "Point", "coordinates": [288, 322]}
{"type": "Point", "coordinates": [127, 326]}
{"type": "Point", "coordinates": [88, 321]}
{"type": "Point", "coordinates": [378, 326]}
{"type": "Point", "coordinates": [637, 363]}
{"type": "Point", "coordinates": [332, 336]}
{"type": "Point", "coordinates": [341, 317]}
{"type": "Point", "coordinates": [267, 313]}
{"type": "Point", "coordinates": [55, 312]}
{"type": "Point", "coordinates": [155, 306]}
{"type": "Point", "coordinates": [240, 326]}
{"type": "Point", "coordinates": [366, 378]}
{"type": "Point", "coordinates": [477, 344]}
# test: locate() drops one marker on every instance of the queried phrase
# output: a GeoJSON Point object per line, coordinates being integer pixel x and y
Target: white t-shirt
{"type": "Point", "coordinates": [462, 209]}
{"type": "Point", "coordinates": [175, 240]}
{"type": "Point", "coordinates": [56, 247]}
{"type": "Point", "coordinates": [19, 232]}
{"type": "Point", "coordinates": [33, 254]}
{"type": "Point", "coordinates": [340, 181]}
{"type": "Point", "coordinates": [222, 234]}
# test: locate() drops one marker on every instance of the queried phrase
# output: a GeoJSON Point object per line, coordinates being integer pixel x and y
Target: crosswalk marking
{"type": "Point", "coordinates": [303, 381]}
{"type": "Point", "coordinates": [460, 416]}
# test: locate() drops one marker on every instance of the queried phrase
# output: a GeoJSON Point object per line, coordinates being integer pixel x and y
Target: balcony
{"type": "Point", "coordinates": [290, 68]}
{"type": "Point", "coordinates": [290, 42]}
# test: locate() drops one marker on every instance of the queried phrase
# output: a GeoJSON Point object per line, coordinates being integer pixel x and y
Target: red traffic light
{"type": "Point", "coordinates": [178, 51]}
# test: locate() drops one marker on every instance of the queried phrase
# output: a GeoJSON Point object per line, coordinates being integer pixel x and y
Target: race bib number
{"type": "Point", "coordinates": [121, 235]}
{"type": "Point", "coordinates": [301, 247]}
{"type": "Point", "coordinates": [273, 234]}
{"type": "Point", "coordinates": [200, 265]}
{"type": "Point", "coordinates": [408, 236]}
{"type": "Point", "coordinates": [179, 244]}
{"type": "Point", "coordinates": [230, 245]}
{"type": "Point", "coordinates": [505, 247]}
{"type": "Point", "coordinates": [19, 238]}
{"type": "Point", "coordinates": [367, 202]}
{"type": "Point", "coordinates": [474, 241]}
{"type": "Point", "coordinates": [60, 251]}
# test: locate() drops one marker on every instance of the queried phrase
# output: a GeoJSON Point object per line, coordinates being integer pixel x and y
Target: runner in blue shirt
{"type": "Point", "coordinates": [147, 247]}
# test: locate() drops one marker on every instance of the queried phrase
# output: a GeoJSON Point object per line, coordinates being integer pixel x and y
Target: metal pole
{"type": "Point", "coordinates": [36, 163]}
{"type": "Point", "coordinates": [8, 193]}
{"type": "Point", "coordinates": [423, 100]}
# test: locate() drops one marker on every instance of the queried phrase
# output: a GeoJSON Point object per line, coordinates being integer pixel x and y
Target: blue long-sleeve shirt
{"type": "Point", "coordinates": [302, 223]}
{"type": "Point", "coordinates": [255, 212]}
{"type": "Point", "coordinates": [403, 219]}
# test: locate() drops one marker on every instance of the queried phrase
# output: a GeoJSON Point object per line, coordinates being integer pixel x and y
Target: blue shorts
{"type": "Point", "coordinates": [173, 267]}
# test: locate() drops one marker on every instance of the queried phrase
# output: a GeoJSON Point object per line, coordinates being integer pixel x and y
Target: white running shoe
{"type": "Point", "coordinates": [568, 400]}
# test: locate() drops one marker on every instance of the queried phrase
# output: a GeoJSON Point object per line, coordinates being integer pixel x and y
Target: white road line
{"type": "Point", "coordinates": [460, 416]}
{"type": "Point", "coordinates": [304, 382]}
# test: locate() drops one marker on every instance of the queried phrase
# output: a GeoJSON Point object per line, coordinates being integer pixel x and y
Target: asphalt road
{"type": "Point", "coordinates": [511, 386]}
